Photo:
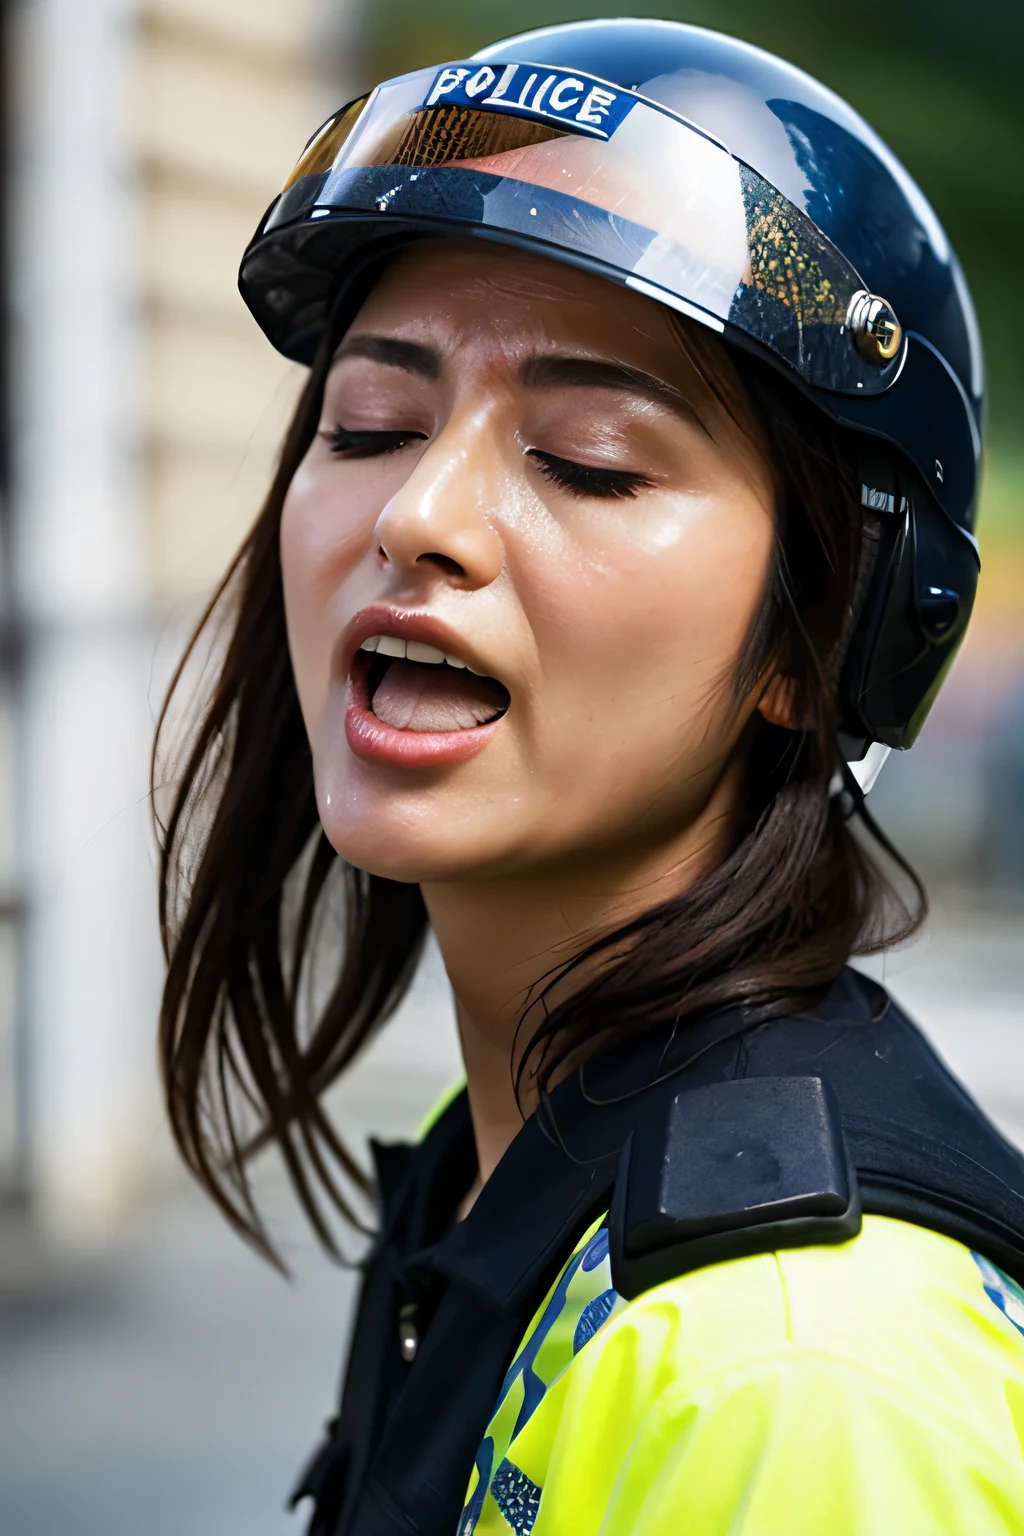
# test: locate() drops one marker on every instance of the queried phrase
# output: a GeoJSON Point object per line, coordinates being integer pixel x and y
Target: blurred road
{"type": "Point", "coordinates": [175, 1389]}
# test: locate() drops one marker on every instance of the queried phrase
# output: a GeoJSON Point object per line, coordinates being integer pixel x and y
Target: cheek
{"type": "Point", "coordinates": [663, 603]}
{"type": "Point", "coordinates": [703, 582]}
{"type": "Point", "coordinates": [323, 537]}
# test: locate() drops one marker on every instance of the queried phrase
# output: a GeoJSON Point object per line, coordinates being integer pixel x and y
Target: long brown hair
{"type": "Point", "coordinates": [246, 872]}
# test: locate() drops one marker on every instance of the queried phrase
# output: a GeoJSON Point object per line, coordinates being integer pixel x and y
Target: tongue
{"type": "Point", "coordinates": [415, 696]}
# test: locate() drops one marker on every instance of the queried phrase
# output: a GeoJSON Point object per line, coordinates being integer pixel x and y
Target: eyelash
{"type": "Point", "coordinates": [578, 479]}
{"type": "Point", "coordinates": [368, 445]}
{"type": "Point", "coordinates": [588, 479]}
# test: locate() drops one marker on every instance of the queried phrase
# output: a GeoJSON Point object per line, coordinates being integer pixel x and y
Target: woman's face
{"type": "Point", "coordinates": [519, 469]}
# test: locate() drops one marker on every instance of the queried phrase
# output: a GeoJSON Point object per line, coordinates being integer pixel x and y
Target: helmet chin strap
{"type": "Point", "coordinates": [864, 772]}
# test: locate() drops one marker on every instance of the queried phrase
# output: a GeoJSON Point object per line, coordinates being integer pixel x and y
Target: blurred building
{"type": "Point", "coordinates": [146, 138]}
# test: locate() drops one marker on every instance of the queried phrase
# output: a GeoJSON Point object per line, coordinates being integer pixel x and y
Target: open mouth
{"type": "Point", "coordinates": [412, 686]}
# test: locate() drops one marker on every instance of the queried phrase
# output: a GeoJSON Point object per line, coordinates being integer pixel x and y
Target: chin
{"type": "Point", "coordinates": [409, 861]}
{"type": "Point", "coordinates": [411, 838]}
{"type": "Point", "coordinates": [414, 824]}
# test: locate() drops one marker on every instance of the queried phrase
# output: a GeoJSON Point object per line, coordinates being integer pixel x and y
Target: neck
{"type": "Point", "coordinates": [501, 937]}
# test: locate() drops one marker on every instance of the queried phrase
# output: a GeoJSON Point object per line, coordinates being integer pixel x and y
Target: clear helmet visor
{"type": "Point", "coordinates": [585, 169]}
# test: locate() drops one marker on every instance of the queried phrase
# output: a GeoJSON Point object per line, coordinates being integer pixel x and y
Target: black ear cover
{"type": "Point", "coordinates": [914, 613]}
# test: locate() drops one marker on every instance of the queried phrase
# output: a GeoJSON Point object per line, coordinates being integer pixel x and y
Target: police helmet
{"type": "Point", "coordinates": [722, 182]}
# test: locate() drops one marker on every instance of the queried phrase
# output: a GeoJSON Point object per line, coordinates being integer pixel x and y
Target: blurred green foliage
{"type": "Point", "coordinates": [939, 79]}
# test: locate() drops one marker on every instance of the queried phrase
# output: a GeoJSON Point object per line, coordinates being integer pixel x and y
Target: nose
{"type": "Point", "coordinates": [438, 521]}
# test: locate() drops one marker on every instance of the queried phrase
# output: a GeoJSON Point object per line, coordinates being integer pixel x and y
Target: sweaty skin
{"type": "Point", "coordinates": [610, 604]}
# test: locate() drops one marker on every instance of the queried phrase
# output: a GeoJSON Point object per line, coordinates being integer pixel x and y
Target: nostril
{"type": "Point", "coordinates": [444, 562]}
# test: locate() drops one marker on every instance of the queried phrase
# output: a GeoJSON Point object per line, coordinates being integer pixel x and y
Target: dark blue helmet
{"type": "Point", "coordinates": [722, 182]}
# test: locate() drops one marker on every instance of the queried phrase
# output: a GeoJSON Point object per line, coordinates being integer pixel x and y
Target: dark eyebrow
{"type": "Point", "coordinates": [594, 373]}
{"type": "Point", "coordinates": [407, 355]}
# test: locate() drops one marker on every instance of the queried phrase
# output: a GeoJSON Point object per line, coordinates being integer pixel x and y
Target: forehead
{"type": "Point", "coordinates": [452, 292]}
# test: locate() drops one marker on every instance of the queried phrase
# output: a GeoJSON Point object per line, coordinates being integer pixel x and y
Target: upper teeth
{"type": "Point", "coordinates": [415, 650]}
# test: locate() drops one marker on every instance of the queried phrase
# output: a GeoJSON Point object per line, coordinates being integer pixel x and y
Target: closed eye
{"type": "Point", "coordinates": [588, 479]}
{"type": "Point", "coordinates": [367, 445]}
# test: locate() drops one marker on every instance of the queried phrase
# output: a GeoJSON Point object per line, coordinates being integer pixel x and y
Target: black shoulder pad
{"type": "Point", "coordinates": [729, 1170]}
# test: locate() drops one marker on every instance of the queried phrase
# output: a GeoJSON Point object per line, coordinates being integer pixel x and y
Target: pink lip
{"type": "Point", "coordinates": [372, 740]}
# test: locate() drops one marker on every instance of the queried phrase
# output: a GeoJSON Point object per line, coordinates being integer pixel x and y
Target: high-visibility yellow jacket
{"type": "Point", "coordinates": [874, 1388]}
{"type": "Point", "coordinates": [868, 1385]}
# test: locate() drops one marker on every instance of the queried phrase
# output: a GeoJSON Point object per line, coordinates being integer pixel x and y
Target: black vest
{"type": "Point", "coordinates": [726, 1141]}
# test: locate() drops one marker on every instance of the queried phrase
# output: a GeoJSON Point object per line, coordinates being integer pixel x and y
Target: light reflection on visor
{"type": "Point", "coordinates": [637, 190]}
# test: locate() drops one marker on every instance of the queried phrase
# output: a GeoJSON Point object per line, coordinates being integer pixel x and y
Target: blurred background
{"type": "Point", "coordinates": [154, 1376]}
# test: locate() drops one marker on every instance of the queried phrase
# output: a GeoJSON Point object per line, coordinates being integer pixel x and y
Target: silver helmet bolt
{"type": "Point", "coordinates": [876, 331]}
